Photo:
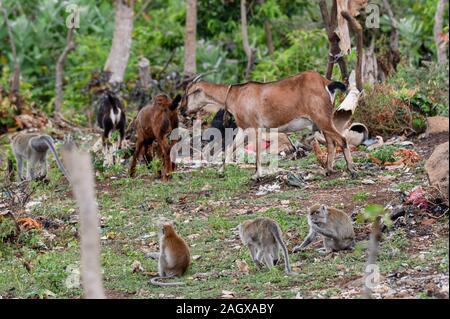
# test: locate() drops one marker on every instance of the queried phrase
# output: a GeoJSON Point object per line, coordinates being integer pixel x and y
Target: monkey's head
{"type": "Point", "coordinates": [318, 214]}
{"type": "Point", "coordinates": [167, 229]}
{"type": "Point", "coordinates": [241, 229]}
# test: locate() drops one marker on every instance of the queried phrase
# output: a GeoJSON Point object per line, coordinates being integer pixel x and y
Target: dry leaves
{"type": "Point", "coordinates": [242, 266]}
{"type": "Point", "coordinates": [136, 267]}
{"type": "Point", "coordinates": [227, 294]}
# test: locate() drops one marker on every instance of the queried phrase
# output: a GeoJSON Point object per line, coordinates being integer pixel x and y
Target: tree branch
{"type": "Point", "coordinates": [15, 80]}
{"type": "Point", "coordinates": [80, 169]}
{"type": "Point", "coordinates": [60, 71]}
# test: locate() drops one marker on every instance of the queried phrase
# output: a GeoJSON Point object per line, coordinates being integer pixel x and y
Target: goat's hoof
{"type": "Point", "coordinates": [256, 178]}
{"type": "Point", "coordinates": [331, 172]}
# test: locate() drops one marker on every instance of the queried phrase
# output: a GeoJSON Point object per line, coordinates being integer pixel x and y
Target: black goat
{"type": "Point", "coordinates": [221, 121]}
{"type": "Point", "coordinates": [110, 117]}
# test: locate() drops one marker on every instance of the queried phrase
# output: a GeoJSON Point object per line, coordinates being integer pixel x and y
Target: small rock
{"type": "Point", "coordinates": [437, 124]}
{"type": "Point", "coordinates": [437, 169]}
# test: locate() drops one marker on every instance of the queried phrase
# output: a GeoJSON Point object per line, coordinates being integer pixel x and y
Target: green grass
{"type": "Point", "coordinates": [206, 210]}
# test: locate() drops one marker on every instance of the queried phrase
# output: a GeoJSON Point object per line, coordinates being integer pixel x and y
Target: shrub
{"type": "Point", "coordinates": [383, 112]}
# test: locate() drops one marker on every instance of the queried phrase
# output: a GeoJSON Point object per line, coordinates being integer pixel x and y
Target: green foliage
{"type": "Point", "coordinates": [7, 228]}
{"type": "Point", "coordinates": [298, 37]}
{"type": "Point", "coordinates": [385, 153]}
{"type": "Point", "coordinates": [306, 52]}
{"type": "Point", "coordinates": [429, 86]}
{"type": "Point", "coordinates": [372, 212]}
{"type": "Point", "coordinates": [360, 196]}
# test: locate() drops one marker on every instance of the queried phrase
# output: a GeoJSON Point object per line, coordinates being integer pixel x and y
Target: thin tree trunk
{"type": "Point", "coordinates": [190, 41]}
{"type": "Point", "coordinates": [438, 33]}
{"type": "Point", "coordinates": [394, 52]}
{"type": "Point", "coordinates": [15, 79]}
{"type": "Point", "coordinates": [268, 32]}
{"type": "Point", "coordinates": [70, 45]}
{"type": "Point", "coordinates": [83, 186]}
{"type": "Point", "coordinates": [374, 244]}
{"type": "Point", "coordinates": [120, 50]}
{"type": "Point", "coordinates": [144, 73]}
{"type": "Point", "coordinates": [269, 37]}
{"type": "Point", "coordinates": [330, 22]}
{"type": "Point", "coordinates": [247, 49]}
{"type": "Point", "coordinates": [358, 30]}
{"type": "Point", "coordinates": [370, 65]}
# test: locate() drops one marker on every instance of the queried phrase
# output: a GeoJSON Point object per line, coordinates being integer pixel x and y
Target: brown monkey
{"type": "Point", "coordinates": [174, 256]}
{"type": "Point", "coordinates": [263, 238]}
{"type": "Point", "coordinates": [333, 224]}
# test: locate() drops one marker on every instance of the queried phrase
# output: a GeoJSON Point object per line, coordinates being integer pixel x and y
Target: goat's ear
{"type": "Point", "coordinates": [176, 101]}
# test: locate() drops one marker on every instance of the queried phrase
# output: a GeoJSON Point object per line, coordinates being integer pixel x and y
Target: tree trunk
{"type": "Point", "coordinates": [330, 22]}
{"type": "Point", "coordinates": [438, 34]}
{"type": "Point", "coordinates": [15, 79]}
{"type": "Point", "coordinates": [357, 29]}
{"type": "Point", "coordinates": [394, 52]}
{"type": "Point", "coordinates": [370, 65]}
{"type": "Point", "coordinates": [249, 52]}
{"type": "Point", "coordinates": [190, 41]}
{"type": "Point", "coordinates": [121, 44]}
{"type": "Point", "coordinates": [145, 77]}
{"type": "Point", "coordinates": [374, 244]}
{"type": "Point", "coordinates": [60, 70]}
{"type": "Point", "coordinates": [269, 38]}
{"type": "Point", "coordinates": [268, 31]}
{"type": "Point", "coordinates": [83, 188]}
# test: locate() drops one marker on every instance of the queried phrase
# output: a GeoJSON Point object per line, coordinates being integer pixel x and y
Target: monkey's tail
{"type": "Point", "coordinates": [277, 234]}
{"type": "Point", "coordinates": [155, 281]}
{"type": "Point", "coordinates": [49, 141]}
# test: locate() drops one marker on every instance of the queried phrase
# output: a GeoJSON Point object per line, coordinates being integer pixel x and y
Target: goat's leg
{"type": "Point", "coordinates": [137, 152]}
{"type": "Point", "coordinates": [331, 149]}
{"type": "Point", "coordinates": [165, 152]}
{"type": "Point", "coordinates": [258, 154]}
{"type": "Point", "coordinates": [342, 142]}
{"type": "Point", "coordinates": [228, 153]}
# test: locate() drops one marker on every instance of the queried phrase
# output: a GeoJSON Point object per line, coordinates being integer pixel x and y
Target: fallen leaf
{"type": "Point", "coordinates": [136, 266]}
{"type": "Point", "coordinates": [242, 266]}
{"type": "Point", "coordinates": [226, 294]}
{"type": "Point", "coordinates": [428, 222]}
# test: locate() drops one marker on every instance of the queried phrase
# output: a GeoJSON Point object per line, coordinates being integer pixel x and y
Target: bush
{"type": "Point", "coordinates": [402, 104]}
{"type": "Point", "coordinates": [430, 88]}
{"type": "Point", "coordinates": [383, 112]}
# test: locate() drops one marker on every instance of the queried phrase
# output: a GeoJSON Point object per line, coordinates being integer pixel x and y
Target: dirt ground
{"type": "Point", "coordinates": [413, 256]}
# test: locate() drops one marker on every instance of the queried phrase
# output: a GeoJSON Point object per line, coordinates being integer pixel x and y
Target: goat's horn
{"type": "Point", "coordinates": [197, 78]}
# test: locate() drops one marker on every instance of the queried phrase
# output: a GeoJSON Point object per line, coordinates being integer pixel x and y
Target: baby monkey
{"type": "Point", "coordinates": [333, 224]}
{"type": "Point", "coordinates": [174, 256]}
{"type": "Point", "coordinates": [263, 238]}
{"type": "Point", "coordinates": [33, 148]}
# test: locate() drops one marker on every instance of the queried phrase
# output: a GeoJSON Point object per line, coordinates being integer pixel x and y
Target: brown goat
{"type": "Point", "coordinates": [154, 123]}
{"type": "Point", "coordinates": [289, 105]}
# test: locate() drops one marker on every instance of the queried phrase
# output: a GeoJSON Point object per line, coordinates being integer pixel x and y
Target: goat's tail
{"type": "Point", "coordinates": [335, 85]}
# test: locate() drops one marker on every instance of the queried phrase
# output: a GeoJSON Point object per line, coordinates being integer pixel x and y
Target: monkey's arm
{"type": "Point", "coordinates": [326, 232]}
{"type": "Point", "coordinates": [152, 255]}
{"type": "Point", "coordinates": [308, 240]}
